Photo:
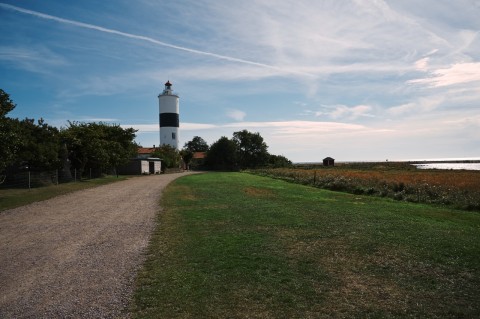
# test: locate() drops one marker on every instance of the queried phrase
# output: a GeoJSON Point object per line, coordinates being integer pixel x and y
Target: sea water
{"type": "Point", "coordinates": [456, 166]}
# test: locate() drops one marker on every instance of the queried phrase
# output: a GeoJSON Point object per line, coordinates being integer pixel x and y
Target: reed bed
{"type": "Point", "coordinates": [460, 188]}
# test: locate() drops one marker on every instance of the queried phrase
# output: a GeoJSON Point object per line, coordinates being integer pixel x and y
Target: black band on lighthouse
{"type": "Point", "coordinates": [169, 120]}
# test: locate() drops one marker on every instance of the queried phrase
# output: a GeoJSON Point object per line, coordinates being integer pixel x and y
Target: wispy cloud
{"type": "Point", "coordinates": [34, 59]}
{"type": "Point", "coordinates": [422, 64]}
{"type": "Point", "coordinates": [418, 106]}
{"type": "Point", "coordinates": [149, 39]}
{"type": "Point", "coordinates": [351, 113]}
{"type": "Point", "coordinates": [98, 119]}
{"type": "Point", "coordinates": [154, 128]}
{"type": "Point", "coordinates": [343, 112]}
{"type": "Point", "coordinates": [318, 138]}
{"type": "Point", "coordinates": [371, 79]}
{"type": "Point", "coordinates": [237, 115]}
{"type": "Point", "coordinates": [458, 73]}
{"type": "Point", "coordinates": [297, 127]}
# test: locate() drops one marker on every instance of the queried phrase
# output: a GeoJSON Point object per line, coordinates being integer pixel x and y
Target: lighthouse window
{"type": "Point", "coordinates": [173, 136]}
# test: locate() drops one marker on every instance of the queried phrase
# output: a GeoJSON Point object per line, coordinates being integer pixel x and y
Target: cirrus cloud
{"type": "Point", "coordinates": [237, 115]}
{"type": "Point", "coordinates": [458, 73]}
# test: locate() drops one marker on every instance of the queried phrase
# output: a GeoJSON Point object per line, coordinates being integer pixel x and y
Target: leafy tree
{"type": "Point", "coordinates": [251, 149]}
{"type": "Point", "coordinates": [26, 143]}
{"type": "Point", "coordinates": [40, 145]}
{"type": "Point", "coordinates": [10, 143]}
{"type": "Point", "coordinates": [222, 155]}
{"type": "Point", "coordinates": [8, 136]}
{"type": "Point", "coordinates": [6, 104]}
{"type": "Point", "coordinates": [120, 145]}
{"type": "Point", "coordinates": [76, 137]}
{"type": "Point", "coordinates": [278, 161]}
{"type": "Point", "coordinates": [98, 145]}
{"type": "Point", "coordinates": [187, 156]}
{"type": "Point", "coordinates": [244, 150]}
{"type": "Point", "coordinates": [197, 144]}
{"type": "Point", "coordinates": [169, 155]}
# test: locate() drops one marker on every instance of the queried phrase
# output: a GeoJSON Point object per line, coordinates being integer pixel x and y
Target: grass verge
{"type": "Point", "coordinates": [15, 197]}
{"type": "Point", "coordinates": [243, 246]}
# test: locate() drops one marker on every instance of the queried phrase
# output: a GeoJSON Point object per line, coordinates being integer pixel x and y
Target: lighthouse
{"type": "Point", "coordinates": [169, 116]}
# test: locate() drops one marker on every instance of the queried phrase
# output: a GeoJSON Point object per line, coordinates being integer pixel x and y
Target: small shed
{"type": "Point", "coordinates": [139, 166]}
{"type": "Point", "coordinates": [328, 161]}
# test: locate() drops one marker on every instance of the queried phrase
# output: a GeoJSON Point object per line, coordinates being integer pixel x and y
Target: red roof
{"type": "Point", "coordinates": [199, 155]}
{"type": "Point", "coordinates": [145, 150]}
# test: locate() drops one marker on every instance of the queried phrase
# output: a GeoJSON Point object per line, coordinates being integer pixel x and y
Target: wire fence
{"type": "Point", "coordinates": [34, 179]}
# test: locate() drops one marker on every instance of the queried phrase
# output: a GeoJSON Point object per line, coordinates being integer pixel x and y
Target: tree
{"type": "Point", "coordinates": [278, 161]}
{"type": "Point", "coordinates": [6, 104]}
{"type": "Point", "coordinates": [222, 155]}
{"type": "Point", "coordinates": [39, 147]}
{"type": "Point", "coordinates": [197, 144]}
{"type": "Point", "coordinates": [76, 137]}
{"type": "Point", "coordinates": [169, 155]}
{"type": "Point", "coordinates": [244, 150]}
{"type": "Point", "coordinates": [8, 134]}
{"type": "Point", "coordinates": [26, 143]}
{"type": "Point", "coordinates": [187, 156]}
{"type": "Point", "coordinates": [251, 149]}
{"type": "Point", "coordinates": [120, 145]}
{"type": "Point", "coordinates": [98, 145]}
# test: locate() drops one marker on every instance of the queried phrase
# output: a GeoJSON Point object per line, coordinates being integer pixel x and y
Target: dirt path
{"type": "Point", "coordinates": [76, 255]}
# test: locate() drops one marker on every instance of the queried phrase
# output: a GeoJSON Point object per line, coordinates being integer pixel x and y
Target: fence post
{"type": "Point", "coordinates": [75, 170]}
{"type": "Point", "coordinates": [29, 179]}
{"type": "Point", "coordinates": [314, 178]}
{"type": "Point", "coordinates": [57, 176]}
{"type": "Point", "coordinates": [90, 173]}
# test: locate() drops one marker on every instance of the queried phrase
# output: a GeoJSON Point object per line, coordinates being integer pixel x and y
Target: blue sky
{"type": "Point", "coordinates": [355, 80]}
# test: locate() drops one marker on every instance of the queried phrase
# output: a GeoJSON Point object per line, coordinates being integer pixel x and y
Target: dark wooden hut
{"type": "Point", "coordinates": [328, 161]}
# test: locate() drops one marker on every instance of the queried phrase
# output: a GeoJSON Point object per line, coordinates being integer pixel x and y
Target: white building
{"type": "Point", "coordinates": [169, 116]}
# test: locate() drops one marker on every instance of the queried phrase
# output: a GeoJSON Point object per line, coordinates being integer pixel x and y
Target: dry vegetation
{"type": "Point", "coordinates": [459, 188]}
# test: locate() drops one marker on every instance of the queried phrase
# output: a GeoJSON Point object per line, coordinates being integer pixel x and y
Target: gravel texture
{"type": "Point", "coordinates": [76, 255]}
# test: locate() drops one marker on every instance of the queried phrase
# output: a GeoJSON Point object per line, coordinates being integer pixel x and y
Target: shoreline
{"type": "Point", "coordinates": [426, 161]}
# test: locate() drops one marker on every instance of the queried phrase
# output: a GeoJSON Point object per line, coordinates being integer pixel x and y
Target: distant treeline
{"type": "Point", "coordinates": [244, 150]}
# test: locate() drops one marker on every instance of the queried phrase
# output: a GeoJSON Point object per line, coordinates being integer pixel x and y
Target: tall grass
{"type": "Point", "coordinates": [461, 189]}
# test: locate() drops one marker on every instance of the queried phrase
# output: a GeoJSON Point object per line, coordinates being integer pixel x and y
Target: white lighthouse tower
{"type": "Point", "coordinates": [169, 116]}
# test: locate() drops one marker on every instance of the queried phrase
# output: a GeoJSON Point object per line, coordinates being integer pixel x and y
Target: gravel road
{"type": "Point", "coordinates": [76, 255]}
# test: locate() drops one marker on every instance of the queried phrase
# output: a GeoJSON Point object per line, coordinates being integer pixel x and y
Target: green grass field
{"type": "Point", "coordinates": [15, 197]}
{"type": "Point", "coordinates": [233, 245]}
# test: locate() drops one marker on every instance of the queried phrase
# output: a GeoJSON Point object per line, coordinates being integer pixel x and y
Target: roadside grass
{"type": "Point", "coordinates": [15, 197]}
{"type": "Point", "coordinates": [235, 245]}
